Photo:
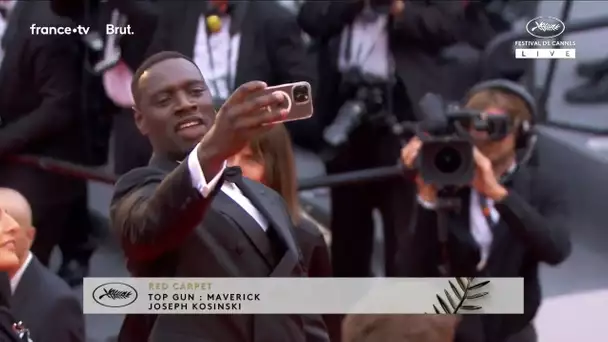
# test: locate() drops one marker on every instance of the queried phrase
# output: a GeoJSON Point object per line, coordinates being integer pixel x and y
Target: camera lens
{"type": "Point", "coordinates": [448, 160]}
{"type": "Point", "coordinates": [300, 94]}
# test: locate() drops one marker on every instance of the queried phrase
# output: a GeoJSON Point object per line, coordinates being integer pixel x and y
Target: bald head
{"type": "Point", "coordinates": [17, 206]}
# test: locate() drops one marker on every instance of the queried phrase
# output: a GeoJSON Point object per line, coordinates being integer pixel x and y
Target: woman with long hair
{"type": "Point", "coordinates": [269, 160]}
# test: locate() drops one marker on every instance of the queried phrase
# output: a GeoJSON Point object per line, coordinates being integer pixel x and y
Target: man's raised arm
{"type": "Point", "coordinates": [153, 212]}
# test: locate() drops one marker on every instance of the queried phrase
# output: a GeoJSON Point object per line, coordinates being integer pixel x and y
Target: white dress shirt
{"type": "Point", "coordinates": [369, 50]}
{"type": "Point", "coordinates": [219, 69]}
{"type": "Point", "coordinates": [206, 187]}
{"type": "Point", "coordinates": [17, 277]}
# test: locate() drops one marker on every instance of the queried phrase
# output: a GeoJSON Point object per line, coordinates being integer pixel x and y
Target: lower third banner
{"type": "Point", "coordinates": [303, 295]}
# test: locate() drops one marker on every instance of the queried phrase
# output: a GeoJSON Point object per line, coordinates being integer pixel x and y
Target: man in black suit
{"type": "Point", "coordinates": [257, 40]}
{"type": "Point", "coordinates": [510, 219]}
{"type": "Point", "coordinates": [186, 215]}
{"type": "Point", "coordinates": [40, 298]}
{"type": "Point", "coordinates": [387, 55]}
{"type": "Point", "coordinates": [39, 115]}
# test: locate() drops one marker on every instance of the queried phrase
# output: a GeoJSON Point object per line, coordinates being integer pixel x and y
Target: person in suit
{"type": "Point", "coordinates": [40, 80]}
{"type": "Point", "coordinates": [234, 42]}
{"type": "Point", "coordinates": [111, 59]}
{"type": "Point", "coordinates": [269, 159]}
{"type": "Point", "coordinates": [8, 261]}
{"type": "Point", "coordinates": [399, 328]}
{"type": "Point", "coordinates": [386, 56]}
{"type": "Point", "coordinates": [187, 215]}
{"type": "Point", "coordinates": [40, 297]}
{"type": "Point", "coordinates": [510, 220]}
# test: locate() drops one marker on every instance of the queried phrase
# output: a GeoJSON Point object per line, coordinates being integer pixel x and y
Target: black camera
{"type": "Point", "coordinates": [446, 156]}
{"type": "Point", "coordinates": [367, 94]}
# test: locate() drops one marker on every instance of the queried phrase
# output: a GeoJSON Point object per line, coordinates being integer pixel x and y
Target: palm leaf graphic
{"type": "Point", "coordinates": [456, 300]}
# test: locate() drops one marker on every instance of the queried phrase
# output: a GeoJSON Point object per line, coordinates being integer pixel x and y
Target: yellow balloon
{"type": "Point", "coordinates": [214, 23]}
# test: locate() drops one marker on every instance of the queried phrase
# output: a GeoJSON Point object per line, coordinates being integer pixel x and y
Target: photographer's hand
{"type": "Point", "coordinates": [409, 154]}
{"type": "Point", "coordinates": [485, 181]}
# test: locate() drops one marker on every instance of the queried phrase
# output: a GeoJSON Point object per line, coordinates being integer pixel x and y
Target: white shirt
{"type": "Point", "coordinates": [481, 231]}
{"type": "Point", "coordinates": [8, 5]}
{"type": "Point", "coordinates": [369, 50]}
{"type": "Point", "coordinates": [17, 277]}
{"type": "Point", "coordinates": [206, 187]}
{"type": "Point", "coordinates": [219, 71]}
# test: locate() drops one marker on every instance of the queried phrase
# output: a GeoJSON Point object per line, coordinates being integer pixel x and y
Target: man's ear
{"type": "Point", "coordinates": [140, 121]}
{"type": "Point", "coordinates": [30, 232]}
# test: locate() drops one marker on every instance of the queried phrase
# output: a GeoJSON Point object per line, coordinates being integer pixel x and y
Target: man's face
{"type": "Point", "coordinates": [175, 109]}
{"type": "Point", "coordinates": [496, 151]}
{"type": "Point", "coordinates": [9, 229]}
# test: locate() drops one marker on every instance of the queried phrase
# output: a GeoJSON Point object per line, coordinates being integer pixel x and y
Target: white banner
{"type": "Point", "coordinates": [303, 295]}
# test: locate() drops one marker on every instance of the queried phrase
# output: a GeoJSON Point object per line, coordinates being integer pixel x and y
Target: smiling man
{"type": "Point", "coordinates": [187, 215]}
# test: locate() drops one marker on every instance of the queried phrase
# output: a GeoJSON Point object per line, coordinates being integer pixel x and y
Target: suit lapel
{"type": "Point", "coordinates": [29, 280]}
{"type": "Point", "coordinates": [234, 213]}
{"type": "Point", "coordinates": [274, 213]}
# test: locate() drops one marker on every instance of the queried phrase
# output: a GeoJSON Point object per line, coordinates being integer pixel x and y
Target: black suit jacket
{"type": "Point", "coordinates": [7, 333]}
{"type": "Point", "coordinates": [533, 228]}
{"type": "Point", "coordinates": [47, 306]}
{"type": "Point", "coordinates": [168, 229]}
{"type": "Point", "coordinates": [416, 39]}
{"type": "Point", "coordinates": [39, 102]}
{"type": "Point", "coordinates": [271, 50]}
{"type": "Point", "coordinates": [317, 263]}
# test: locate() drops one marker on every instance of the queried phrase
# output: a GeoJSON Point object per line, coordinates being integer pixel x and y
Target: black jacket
{"type": "Point", "coordinates": [39, 103]}
{"type": "Point", "coordinates": [48, 306]}
{"type": "Point", "coordinates": [532, 229]}
{"type": "Point", "coordinates": [168, 229]}
{"type": "Point", "coordinates": [7, 333]}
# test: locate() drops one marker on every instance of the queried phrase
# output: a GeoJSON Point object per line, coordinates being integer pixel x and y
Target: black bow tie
{"type": "Point", "coordinates": [233, 174]}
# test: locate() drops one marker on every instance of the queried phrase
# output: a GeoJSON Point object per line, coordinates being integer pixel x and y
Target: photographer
{"type": "Point", "coordinates": [376, 58]}
{"type": "Point", "coordinates": [509, 220]}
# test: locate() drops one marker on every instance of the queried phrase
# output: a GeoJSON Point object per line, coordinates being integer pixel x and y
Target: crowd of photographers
{"type": "Point", "coordinates": [477, 207]}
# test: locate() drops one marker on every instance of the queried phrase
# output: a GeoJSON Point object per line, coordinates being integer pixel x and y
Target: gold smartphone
{"type": "Point", "coordinates": [298, 100]}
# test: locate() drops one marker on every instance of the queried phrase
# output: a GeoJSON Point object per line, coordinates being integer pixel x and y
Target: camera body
{"type": "Point", "coordinates": [367, 96]}
{"type": "Point", "coordinates": [446, 156]}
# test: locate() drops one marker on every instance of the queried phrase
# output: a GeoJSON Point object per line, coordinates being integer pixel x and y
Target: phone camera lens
{"type": "Point", "coordinates": [300, 94]}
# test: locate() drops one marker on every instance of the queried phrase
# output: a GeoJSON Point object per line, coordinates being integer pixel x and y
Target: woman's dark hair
{"type": "Point", "coordinates": [274, 149]}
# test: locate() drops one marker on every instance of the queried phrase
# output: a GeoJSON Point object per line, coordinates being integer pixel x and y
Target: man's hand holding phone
{"type": "Point", "coordinates": [247, 113]}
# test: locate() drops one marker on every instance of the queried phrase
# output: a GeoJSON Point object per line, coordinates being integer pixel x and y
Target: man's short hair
{"type": "Point", "coordinates": [150, 62]}
{"type": "Point", "coordinates": [399, 328]}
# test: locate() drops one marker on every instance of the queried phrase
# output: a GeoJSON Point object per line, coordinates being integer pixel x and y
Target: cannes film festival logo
{"type": "Point", "coordinates": [115, 295]}
{"type": "Point", "coordinates": [545, 27]}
